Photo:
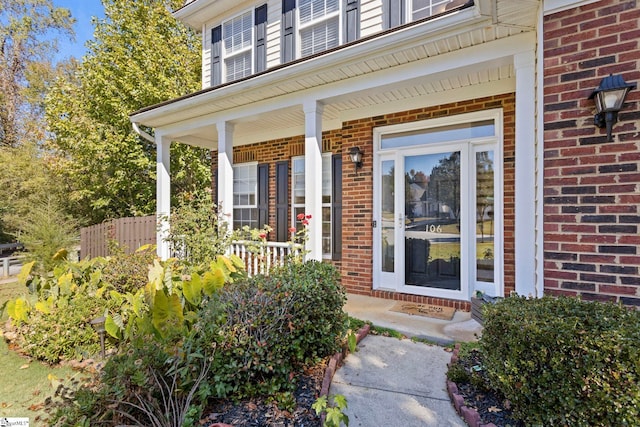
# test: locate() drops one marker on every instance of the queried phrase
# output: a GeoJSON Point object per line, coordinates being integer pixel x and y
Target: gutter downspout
{"type": "Point", "coordinates": [142, 133]}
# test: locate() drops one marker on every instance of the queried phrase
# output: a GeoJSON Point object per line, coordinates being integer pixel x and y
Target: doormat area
{"type": "Point", "coordinates": [426, 310]}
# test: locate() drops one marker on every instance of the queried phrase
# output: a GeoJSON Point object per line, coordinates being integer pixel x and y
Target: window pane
{"type": "Point", "coordinates": [238, 66]}
{"type": "Point", "coordinates": [315, 9]}
{"type": "Point", "coordinates": [457, 132]}
{"type": "Point", "coordinates": [237, 33]}
{"type": "Point", "coordinates": [319, 37]}
{"type": "Point", "coordinates": [425, 8]}
{"type": "Point", "coordinates": [387, 228]}
{"type": "Point", "coordinates": [326, 179]}
{"type": "Point", "coordinates": [485, 247]}
{"type": "Point", "coordinates": [326, 231]}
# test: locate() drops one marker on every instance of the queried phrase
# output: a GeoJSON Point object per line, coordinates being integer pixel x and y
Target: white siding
{"type": "Point", "coordinates": [206, 56]}
{"type": "Point", "coordinates": [274, 15]}
{"type": "Point", "coordinates": [370, 17]}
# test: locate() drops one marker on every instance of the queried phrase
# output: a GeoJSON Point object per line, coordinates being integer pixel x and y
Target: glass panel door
{"type": "Point", "coordinates": [432, 204]}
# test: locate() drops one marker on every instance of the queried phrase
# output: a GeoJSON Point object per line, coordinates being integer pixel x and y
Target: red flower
{"type": "Point", "coordinates": [308, 216]}
{"type": "Point", "coordinates": [263, 236]}
{"type": "Point", "coordinates": [305, 222]}
{"type": "Point", "coordinates": [292, 230]}
{"type": "Point", "coordinates": [300, 216]}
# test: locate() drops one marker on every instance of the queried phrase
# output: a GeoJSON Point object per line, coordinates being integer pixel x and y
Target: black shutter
{"type": "Point", "coordinates": [336, 207]}
{"type": "Point", "coordinates": [393, 13]}
{"type": "Point", "coordinates": [263, 195]}
{"type": "Point", "coordinates": [282, 201]}
{"type": "Point", "coordinates": [351, 21]}
{"type": "Point", "coordinates": [261, 37]}
{"type": "Point", "coordinates": [216, 51]}
{"type": "Point", "coordinates": [288, 34]}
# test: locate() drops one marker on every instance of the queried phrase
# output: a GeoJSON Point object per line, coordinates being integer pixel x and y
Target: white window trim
{"type": "Point", "coordinates": [410, 11]}
{"type": "Point", "coordinates": [469, 283]}
{"type": "Point", "coordinates": [294, 221]}
{"type": "Point", "coordinates": [251, 47]}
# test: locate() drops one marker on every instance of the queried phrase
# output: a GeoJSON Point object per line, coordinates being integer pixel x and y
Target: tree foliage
{"type": "Point", "coordinates": [28, 30]}
{"type": "Point", "coordinates": [140, 56]}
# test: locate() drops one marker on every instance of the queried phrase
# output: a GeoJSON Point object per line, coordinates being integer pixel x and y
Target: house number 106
{"type": "Point", "coordinates": [435, 228]}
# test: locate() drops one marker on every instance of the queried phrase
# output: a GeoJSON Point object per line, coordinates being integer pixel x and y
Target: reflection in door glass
{"type": "Point", "coordinates": [388, 216]}
{"type": "Point", "coordinates": [432, 220]}
{"type": "Point", "coordinates": [484, 217]}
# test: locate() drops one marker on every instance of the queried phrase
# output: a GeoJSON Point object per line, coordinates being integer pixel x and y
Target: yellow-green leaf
{"type": "Point", "coordinates": [18, 309]}
{"type": "Point", "coordinates": [60, 255]}
{"type": "Point", "coordinates": [112, 327]}
{"type": "Point", "coordinates": [212, 281]}
{"type": "Point", "coordinates": [45, 306]}
{"type": "Point", "coordinates": [166, 312]}
{"type": "Point", "coordinates": [192, 289]}
{"type": "Point", "coordinates": [24, 272]}
{"type": "Point", "coordinates": [156, 274]}
{"type": "Point", "coordinates": [64, 283]}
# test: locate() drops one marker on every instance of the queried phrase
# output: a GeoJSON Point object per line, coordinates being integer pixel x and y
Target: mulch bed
{"type": "Point", "coordinates": [490, 404]}
{"type": "Point", "coordinates": [260, 412]}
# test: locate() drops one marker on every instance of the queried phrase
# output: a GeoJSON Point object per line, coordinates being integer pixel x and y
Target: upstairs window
{"type": "Point", "coordinates": [238, 44]}
{"type": "Point", "coordinates": [398, 12]}
{"type": "Point", "coordinates": [319, 25]}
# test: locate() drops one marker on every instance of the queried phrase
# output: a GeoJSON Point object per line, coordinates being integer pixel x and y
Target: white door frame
{"type": "Point", "coordinates": [395, 281]}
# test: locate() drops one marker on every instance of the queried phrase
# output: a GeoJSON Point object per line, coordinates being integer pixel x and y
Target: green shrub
{"type": "Point", "coordinates": [128, 272]}
{"type": "Point", "coordinates": [153, 383]}
{"type": "Point", "coordinates": [318, 321]}
{"type": "Point", "coordinates": [562, 361]}
{"type": "Point", "coordinates": [267, 328]}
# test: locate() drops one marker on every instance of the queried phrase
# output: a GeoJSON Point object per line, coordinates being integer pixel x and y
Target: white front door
{"type": "Point", "coordinates": [435, 207]}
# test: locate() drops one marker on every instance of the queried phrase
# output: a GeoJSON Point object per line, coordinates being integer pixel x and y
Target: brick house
{"type": "Point", "coordinates": [481, 167]}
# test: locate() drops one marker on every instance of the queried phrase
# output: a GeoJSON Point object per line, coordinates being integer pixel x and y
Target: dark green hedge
{"type": "Point", "coordinates": [562, 361]}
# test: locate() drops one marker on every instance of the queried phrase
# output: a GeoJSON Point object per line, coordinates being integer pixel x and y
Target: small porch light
{"type": "Point", "coordinates": [356, 157]}
{"type": "Point", "coordinates": [609, 97]}
{"type": "Point", "coordinates": [98, 325]}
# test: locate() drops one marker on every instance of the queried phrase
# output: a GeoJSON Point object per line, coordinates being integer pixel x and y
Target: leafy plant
{"type": "Point", "coordinates": [128, 272]}
{"type": "Point", "coordinates": [335, 415]}
{"type": "Point", "coordinates": [198, 232]}
{"type": "Point", "coordinates": [562, 361]}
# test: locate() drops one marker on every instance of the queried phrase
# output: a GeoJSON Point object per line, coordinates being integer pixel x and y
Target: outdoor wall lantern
{"type": "Point", "coordinates": [356, 157]}
{"type": "Point", "coordinates": [609, 97]}
{"type": "Point", "coordinates": [98, 325]}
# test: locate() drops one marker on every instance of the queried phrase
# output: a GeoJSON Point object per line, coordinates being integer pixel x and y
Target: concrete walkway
{"type": "Point", "coordinates": [396, 383]}
{"type": "Point", "coordinates": [400, 383]}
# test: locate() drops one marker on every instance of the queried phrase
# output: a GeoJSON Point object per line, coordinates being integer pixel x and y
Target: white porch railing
{"type": "Point", "coordinates": [260, 258]}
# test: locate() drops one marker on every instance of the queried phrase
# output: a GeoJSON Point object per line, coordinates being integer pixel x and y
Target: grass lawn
{"type": "Point", "coordinates": [25, 384]}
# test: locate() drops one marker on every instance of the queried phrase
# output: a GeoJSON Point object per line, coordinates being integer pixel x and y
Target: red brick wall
{"type": "Point", "coordinates": [357, 235]}
{"type": "Point", "coordinates": [591, 186]}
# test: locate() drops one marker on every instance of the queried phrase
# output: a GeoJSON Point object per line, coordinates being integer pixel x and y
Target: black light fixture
{"type": "Point", "coordinates": [609, 97]}
{"type": "Point", "coordinates": [356, 157]}
{"type": "Point", "coordinates": [98, 325]}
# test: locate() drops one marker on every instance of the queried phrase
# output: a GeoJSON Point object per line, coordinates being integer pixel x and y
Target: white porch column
{"type": "Point", "coordinates": [225, 169]}
{"type": "Point", "coordinates": [525, 175]}
{"type": "Point", "coordinates": [163, 194]}
{"type": "Point", "coordinates": [313, 176]}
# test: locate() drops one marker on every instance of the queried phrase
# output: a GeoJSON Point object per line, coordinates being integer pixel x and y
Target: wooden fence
{"type": "Point", "coordinates": [130, 233]}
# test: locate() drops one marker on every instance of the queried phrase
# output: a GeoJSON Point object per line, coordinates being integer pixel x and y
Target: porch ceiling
{"type": "Point", "coordinates": [272, 100]}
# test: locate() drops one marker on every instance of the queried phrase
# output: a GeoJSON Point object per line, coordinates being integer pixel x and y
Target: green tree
{"type": "Point", "coordinates": [140, 56]}
{"type": "Point", "coordinates": [28, 30]}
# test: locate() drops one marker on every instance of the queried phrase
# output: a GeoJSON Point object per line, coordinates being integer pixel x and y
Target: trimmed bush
{"type": "Point", "coordinates": [267, 328]}
{"type": "Point", "coordinates": [562, 361]}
